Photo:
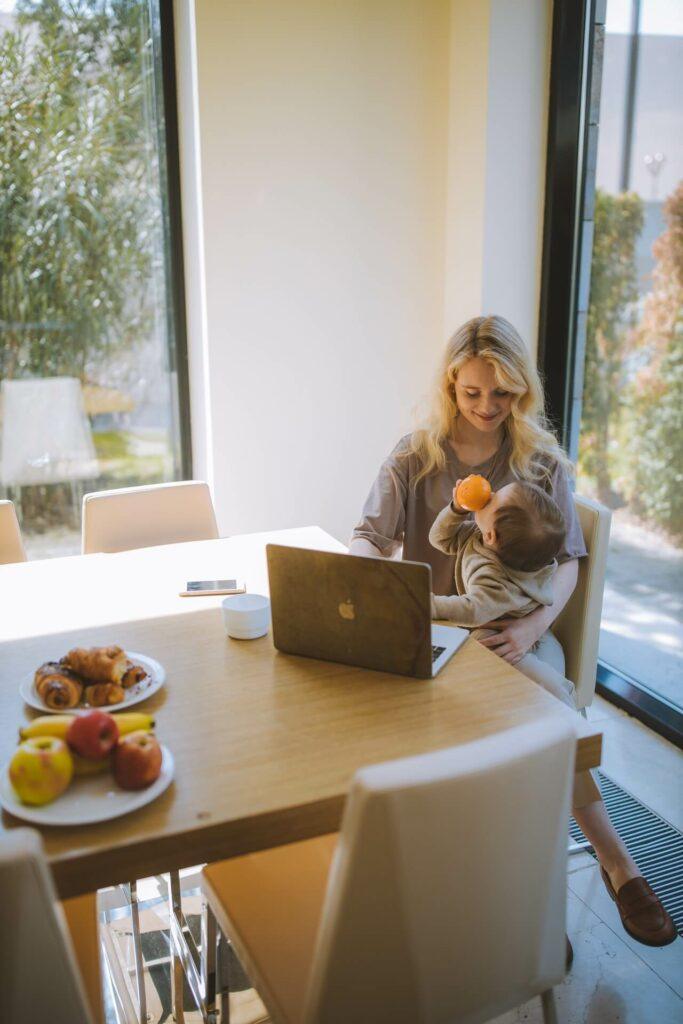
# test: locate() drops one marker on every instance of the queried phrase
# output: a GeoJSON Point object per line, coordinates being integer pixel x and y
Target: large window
{"type": "Point", "coordinates": [617, 373]}
{"type": "Point", "coordinates": [91, 331]}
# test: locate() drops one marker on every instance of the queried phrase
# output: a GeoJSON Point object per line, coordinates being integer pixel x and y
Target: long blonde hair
{"type": "Point", "coordinates": [534, 447]}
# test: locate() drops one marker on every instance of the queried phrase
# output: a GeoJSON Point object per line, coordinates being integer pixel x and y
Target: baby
{"type": "Point", "coordinates": [505, 561]}
{"type": "Point", "coordinates": [505, 557]}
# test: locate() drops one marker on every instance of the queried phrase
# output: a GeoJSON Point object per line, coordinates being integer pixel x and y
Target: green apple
{"type": "Point", "coordinates": [41, 770]}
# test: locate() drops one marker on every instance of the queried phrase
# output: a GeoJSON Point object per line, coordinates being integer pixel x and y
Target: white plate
{"type": "Point", "coordinates": [156, 676]}
{"type": "Point", "coordinates": [88, 799]}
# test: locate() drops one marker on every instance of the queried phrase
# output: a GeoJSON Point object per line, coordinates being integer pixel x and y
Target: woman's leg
{"type": "Point", "coordinates": [642, 914]}
{"type": "Point", "coordinates": [546, 667]}
{"type": "Point", "coordinates": [594, 822]}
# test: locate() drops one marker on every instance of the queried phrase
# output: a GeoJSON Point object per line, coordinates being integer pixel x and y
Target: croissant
{"type": "Point", "coordinates": [99, 695]}
{"type": "Point", "coordinates": [57, 686]}
{"type": "Point", "coordinates": [98, 664]}
{"type": "Point", "coordinates": [133, 674]}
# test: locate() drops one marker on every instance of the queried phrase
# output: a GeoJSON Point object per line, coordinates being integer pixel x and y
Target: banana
{"type": "Point", "coordinates": [57, 725]}
{"type": "Point", "coordinates": [131, 721]}
{"type": "Point", "coordinates": [46, 725]}
{"type": "Point", "coordinates": [84, 767]}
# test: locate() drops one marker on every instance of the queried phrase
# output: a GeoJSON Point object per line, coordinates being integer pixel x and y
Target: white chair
{"type": "Point", "coordinates": [138, 517]}
{"type": "Point", "coordinates": [11, 545]}
{"type": "Point", "coordinates": [442, 899]}
{"type": "Point", "coordinates": [46, 436]}
{"type": "Point", "coordinates": [578, 626]}
{"type": "Point", "coordinates": [40, 979]}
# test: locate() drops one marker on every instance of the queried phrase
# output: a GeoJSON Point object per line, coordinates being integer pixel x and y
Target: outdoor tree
{"type": "Point", "coordinates": [618, 222]}
{"type": "Point", "coordinates": [658, 387]}
{"type": "Point", "coordinates": [79, 210]}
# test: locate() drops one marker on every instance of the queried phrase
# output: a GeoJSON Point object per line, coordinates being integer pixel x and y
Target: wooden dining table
{"type": "Point", "coordinates": [265, 744]}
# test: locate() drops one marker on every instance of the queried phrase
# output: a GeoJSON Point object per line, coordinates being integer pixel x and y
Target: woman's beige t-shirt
{"type": "Point", "coordinates": [398, 513]}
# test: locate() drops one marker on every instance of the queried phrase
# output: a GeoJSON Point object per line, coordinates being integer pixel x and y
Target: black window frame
{"type": "Point", "coordinates": [175, 265]}
{"type": "Point", "coordinates": [573, 118]}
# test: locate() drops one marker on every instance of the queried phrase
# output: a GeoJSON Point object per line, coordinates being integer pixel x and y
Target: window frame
{"type": "Point", "coordinates": [573, 116]}
{"type": "Point", "coordinates": [178, 352]}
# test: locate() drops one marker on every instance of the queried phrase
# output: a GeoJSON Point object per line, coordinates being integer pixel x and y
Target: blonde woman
{"type": "Point", "coordinates": [487, 417]}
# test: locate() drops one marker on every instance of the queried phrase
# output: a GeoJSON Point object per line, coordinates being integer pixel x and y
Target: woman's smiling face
{"type": "Point", "coordinates": [481, 400]}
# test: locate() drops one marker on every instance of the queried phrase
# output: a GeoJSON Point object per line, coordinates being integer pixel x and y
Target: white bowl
{"type": "Point", "coordinates": [246, 616]}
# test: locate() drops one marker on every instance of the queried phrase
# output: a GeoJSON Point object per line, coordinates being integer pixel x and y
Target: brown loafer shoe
{"type": "Point", "coordinates": [641, 912]}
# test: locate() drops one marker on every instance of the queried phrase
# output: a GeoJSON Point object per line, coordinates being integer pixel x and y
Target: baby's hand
{"type": "Point", "coordinates": [456, 507]}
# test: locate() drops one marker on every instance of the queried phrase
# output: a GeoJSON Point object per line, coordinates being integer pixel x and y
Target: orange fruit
{"type": "Point", "coordinates": [473, 493]}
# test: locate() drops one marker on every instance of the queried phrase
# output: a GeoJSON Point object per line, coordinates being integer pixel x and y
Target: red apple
{"type": "Point", "coordinates": [137, 760]}
{"type": "Point", "coordinates": [93, 735]}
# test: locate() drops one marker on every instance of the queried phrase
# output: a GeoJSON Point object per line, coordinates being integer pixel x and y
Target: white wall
{"type": "Point", "coordinates": [500, 66]}
{"type": "Point", "coordinates": [516, 136]}
{"type": "Point", "coordinates": [323, 164]}
{"type": "Point", "coordinates": [346, 162]}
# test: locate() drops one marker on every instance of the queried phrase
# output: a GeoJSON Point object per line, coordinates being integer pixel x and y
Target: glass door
{"type": "Point", "coordinates": [630, 447]}
{"type": "Point", "coordinates": [90, 320]}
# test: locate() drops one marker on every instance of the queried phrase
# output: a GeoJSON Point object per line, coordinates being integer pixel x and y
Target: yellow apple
{"type": "Point", "coordinates": [41, 770]}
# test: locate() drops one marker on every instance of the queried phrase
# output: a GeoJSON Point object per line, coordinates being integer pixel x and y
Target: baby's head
{"type": "Point", "coordinates": [523, 525]}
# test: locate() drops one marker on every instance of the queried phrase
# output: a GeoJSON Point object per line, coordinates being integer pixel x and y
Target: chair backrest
{"type": "Point", "coordinates": [446, 897]}
{"type": "Point", "coordinates": [38, 444]}
{"type": "Point", "coordinates": [578, 626]}
{"type": "Point", "coordinates": [11, 546]}
{"type": "Point", "coordinates": [139, 517]}
{"type": "Point", "coordinates": [39, 977]}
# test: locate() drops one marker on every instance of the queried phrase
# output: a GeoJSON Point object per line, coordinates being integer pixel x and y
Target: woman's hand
{"type": "Point", "coordinates": [513, 638]}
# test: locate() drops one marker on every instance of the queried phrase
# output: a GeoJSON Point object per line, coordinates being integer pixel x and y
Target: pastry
{"type": "Point", "coordinates": [133, 674]}
{"type": "Point", "coordinates": [57, 686]}
{"type": "Point", "coordinates": [98, 664]}
{"type": "Point", "coordinates": [100, 695]}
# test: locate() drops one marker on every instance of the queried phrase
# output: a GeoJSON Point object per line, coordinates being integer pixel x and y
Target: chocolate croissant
{"type": "Point", "coordinates": [133, 674]}
{"type": "Point", "coordinates": [99, 695]}
{"type": "Point", "coordinates": [57, 686]}
{"type": "Point", "coordinates": [98, 664]}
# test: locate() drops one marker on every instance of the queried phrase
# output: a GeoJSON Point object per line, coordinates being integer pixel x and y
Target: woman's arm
{"type": "Point", "coordinates": [514, 637]}
{"type": "Point", "coordinates": [380, 530]}
{"type": "Point", "coordinates": [361, 546]}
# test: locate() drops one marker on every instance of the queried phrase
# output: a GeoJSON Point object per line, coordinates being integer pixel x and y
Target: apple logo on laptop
{"type": "Point", "coordinates": [346, 609]}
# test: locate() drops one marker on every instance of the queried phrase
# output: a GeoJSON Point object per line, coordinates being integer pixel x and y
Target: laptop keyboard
{"type": "Point", "coordinates": [436, 651]}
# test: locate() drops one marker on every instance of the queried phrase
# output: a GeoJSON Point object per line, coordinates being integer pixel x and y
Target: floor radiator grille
{"type": "Point", "coordinates": [655, 845]}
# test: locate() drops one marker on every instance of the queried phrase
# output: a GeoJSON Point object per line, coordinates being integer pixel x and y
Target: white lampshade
{"type": "Point", "coordinates": [46, 436]}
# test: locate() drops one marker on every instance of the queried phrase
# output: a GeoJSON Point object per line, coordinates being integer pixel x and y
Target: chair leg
{"type": "Point", "coordinates": [177, 971]}
{"type": "Point", "coordinates": [575, 848]}
{"type": "Point", "coordinates": [548, 1004]}
{"type": "Point", "coordinates": [137, 946]}
{"type": "Point", "coordinates": [223, 971]}
{"type": "Point", "coordinates": [215, 968]}
{"type": "Point", "coordinates": [208, 961]}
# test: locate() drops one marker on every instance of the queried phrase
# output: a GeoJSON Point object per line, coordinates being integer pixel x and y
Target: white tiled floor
{"type": "Point", "coordinates": [615, 980]}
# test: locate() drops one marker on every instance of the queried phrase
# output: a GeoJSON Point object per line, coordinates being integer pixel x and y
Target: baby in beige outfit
{"type": "Point", "coordinates": [504, 555]}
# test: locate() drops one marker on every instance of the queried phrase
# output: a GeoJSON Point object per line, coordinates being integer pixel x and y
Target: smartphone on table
{"type": "Point", "coordinates": [212, 588]}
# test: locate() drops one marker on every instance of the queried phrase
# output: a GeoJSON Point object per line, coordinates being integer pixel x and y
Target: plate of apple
{"type": "Point", "coordinates": [84, 768]}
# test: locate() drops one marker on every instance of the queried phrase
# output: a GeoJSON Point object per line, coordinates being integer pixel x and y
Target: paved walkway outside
{"type": "Point", "coordinates": [642, 617]}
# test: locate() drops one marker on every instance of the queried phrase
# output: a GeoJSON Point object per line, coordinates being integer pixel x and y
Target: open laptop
{"type": "Point", "coordinates": [370, 612]}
